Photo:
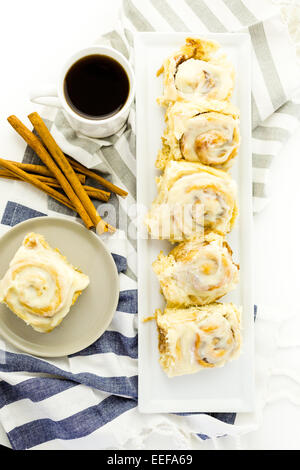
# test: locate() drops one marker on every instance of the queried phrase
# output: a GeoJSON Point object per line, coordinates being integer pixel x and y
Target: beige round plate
{"type": "Point", "coordinates": [93, 311]}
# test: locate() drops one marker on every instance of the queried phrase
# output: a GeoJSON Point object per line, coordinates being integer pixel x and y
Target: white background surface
{"type": "Point", "coordinates": [35, 39]}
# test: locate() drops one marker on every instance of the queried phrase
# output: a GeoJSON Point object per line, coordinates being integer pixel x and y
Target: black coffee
{"type": "Point", "coordinates": [96, 87]}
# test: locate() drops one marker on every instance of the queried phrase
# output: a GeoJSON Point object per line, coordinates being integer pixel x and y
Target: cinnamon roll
{"type": "Point", "coordinates": [197, 272]}
{"type": "Point", "coordinates": [193, 200]}
{"type": "Point", "coordinates": [204, 132]}
{"type": "Point", "coordinates": [197, 70]}
{"type": "Point", "coordinates": [40, 285]}
{"type": "Point", "coordinates": [198, 338]}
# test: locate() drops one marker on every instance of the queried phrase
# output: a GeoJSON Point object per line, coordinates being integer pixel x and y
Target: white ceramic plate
{"type": "Point", "coordinates": [231, 388]}
{"type": "Point", "coordinates": [93, 311]}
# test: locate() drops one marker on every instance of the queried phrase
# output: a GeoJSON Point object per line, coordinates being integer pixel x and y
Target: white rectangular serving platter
{"type": "Point", "coordinates": [227, 389]}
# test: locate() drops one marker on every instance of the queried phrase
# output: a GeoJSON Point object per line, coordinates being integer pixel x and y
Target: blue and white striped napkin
{"type": "Point", "coordinates": [89, 400]}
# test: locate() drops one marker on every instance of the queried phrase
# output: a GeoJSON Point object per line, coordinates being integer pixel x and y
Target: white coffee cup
{"type": "Point", "coordinates": [54, 96]}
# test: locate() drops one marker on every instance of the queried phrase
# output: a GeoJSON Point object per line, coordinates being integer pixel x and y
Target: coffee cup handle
{"type": "Point", "coordinates": [46, 96]}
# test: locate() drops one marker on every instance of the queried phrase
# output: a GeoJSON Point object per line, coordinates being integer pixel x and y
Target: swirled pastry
{"type": "Point", "coordinates": [193, 199]}
{"type": "Point", "coordinates": [40, 285]}
{"type": "Point", "coordinates": [204, 132]}
{"type": "Point", "coordinates": [197, 70]}
{"type": "Point", "coordinates": [197, 272]}
{"type": "Point", "coordinates": [198, 337]}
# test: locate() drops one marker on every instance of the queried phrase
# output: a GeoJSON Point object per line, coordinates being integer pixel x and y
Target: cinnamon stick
{"type": "Point", "coordinates": [38, 169]}
{"type": "Point", "coordinates": [69, 173]}
{"type": "Point", "coordinates": [41, 170]}
{"type": "Point", "coordinates": [46, 179]}
{"type": "Point", "coordinates": [94, 193]}
{"type": "Point", "coordinates": [38, 184]}
{"type": "Point", "coordinates": [80, 170]}
{"type": "Point", "coordinates": [34, 142]}
{"type": "Point", "coordinates": [107, 184]}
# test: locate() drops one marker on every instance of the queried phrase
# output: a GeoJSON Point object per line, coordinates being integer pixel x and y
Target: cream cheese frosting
{"type": "Point", "coordinates": [198, 337]}
{"type": "Point", "coordinates": [197, 272]}
{"type": "Point", "coordinates": [197, 71]}
{"type": "Point", "coordinates": [40, 285]}
{"type": "Point", "coordinates": [193, 200]}
{"type": "Point", "coordinates": [209, 138]}
{"type": "Point", "coordinates": [204, 132]}
{"type": "Point", "coordinates": [197, 78]}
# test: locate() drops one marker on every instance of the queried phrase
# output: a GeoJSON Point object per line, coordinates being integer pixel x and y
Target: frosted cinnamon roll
{"type": "Point", "coordinates": [192, 200]}
{"type": "Point", "coordinates": [40, 285]}
{"type": "Point", "coordinates": [197, 70]}
{"type": "Point", "coordinates": [204, 132]}
{"type": "Point", "coordinates": [197, 272]}
{"type": "Point", "coordinates": [198, 338]}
